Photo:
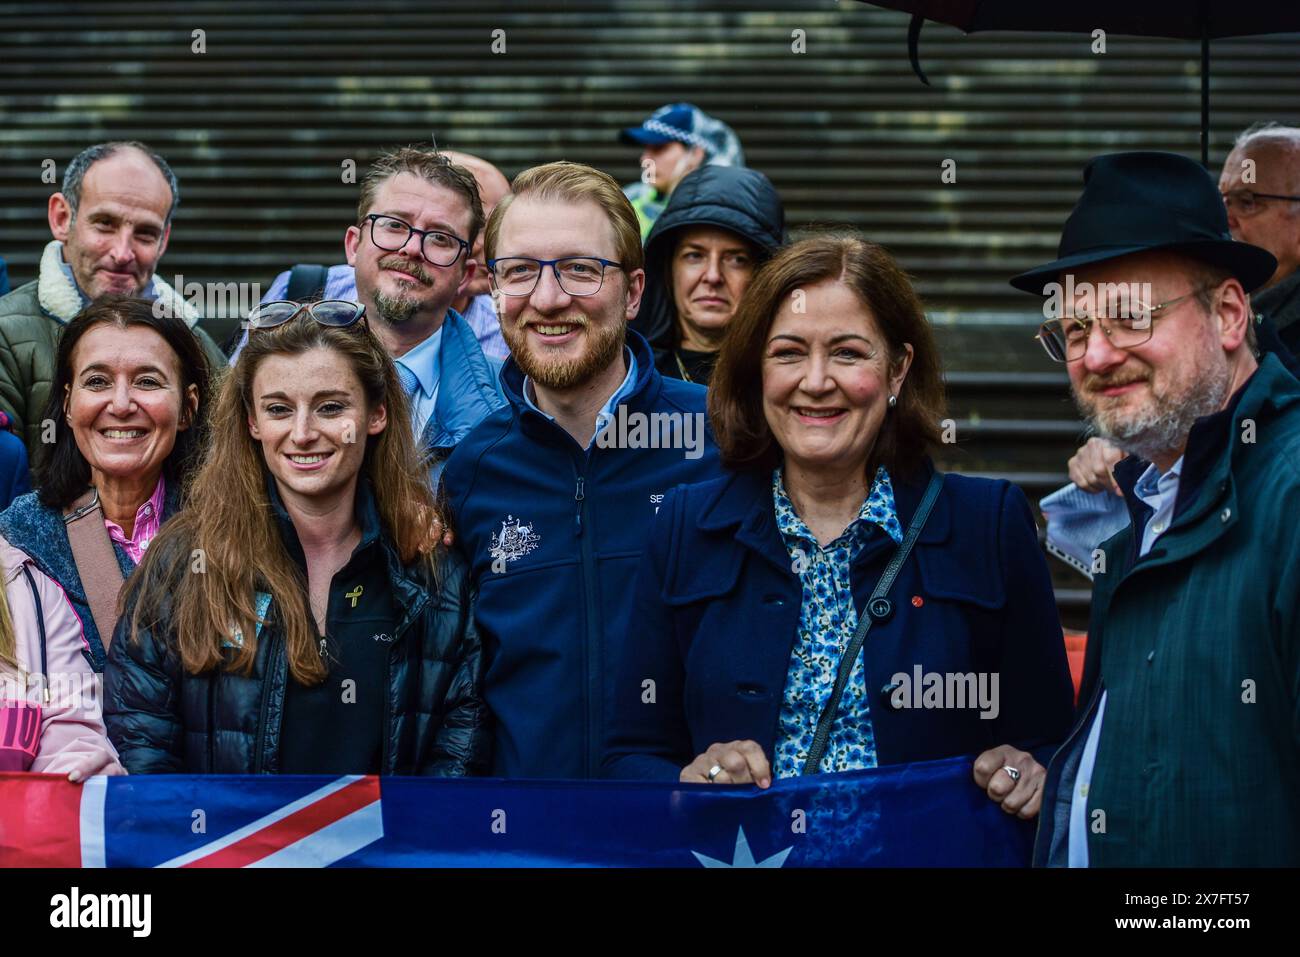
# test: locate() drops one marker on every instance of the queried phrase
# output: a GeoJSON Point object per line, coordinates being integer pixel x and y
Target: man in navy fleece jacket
{"type": "Point", "coordinates": [552, 495]}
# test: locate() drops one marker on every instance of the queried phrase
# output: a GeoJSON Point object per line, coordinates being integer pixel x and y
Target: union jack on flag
{"type": "Point", "coordinates": [229, 823]}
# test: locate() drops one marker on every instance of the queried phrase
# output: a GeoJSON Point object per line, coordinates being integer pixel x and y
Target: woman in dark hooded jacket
{"type": "Point", "coordinates": [719, 225]}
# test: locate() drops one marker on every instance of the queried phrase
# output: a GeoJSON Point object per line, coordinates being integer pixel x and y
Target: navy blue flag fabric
{"type": "Point", "coordinates": [928, 814]}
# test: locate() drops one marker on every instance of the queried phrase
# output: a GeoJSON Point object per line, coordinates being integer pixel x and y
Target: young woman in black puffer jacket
{"type": "Point", "coordinates": [299, 616]}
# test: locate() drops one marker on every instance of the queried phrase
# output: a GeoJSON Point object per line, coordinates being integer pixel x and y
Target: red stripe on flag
{"type": "Point", "coordinates": [288, 830]}
{"type": "Point", "coordinates": [40, 820]}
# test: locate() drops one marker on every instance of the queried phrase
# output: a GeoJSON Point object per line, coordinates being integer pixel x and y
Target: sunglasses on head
{"type": "Point", "coordinates": [339, 313]}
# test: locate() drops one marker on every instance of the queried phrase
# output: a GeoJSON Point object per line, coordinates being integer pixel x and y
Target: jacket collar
{"type": "Point", "coordinates": [1269, 391]}
{"type": "Point", "coordinates": [744, 502]}
{"type": "Point", "coordinates": [367, 515]}
{"type": "Point", "coordinates": [644, 394]}
{"type": "Point", "coordinates": [39, 530]}
{"type": "Point", "coordinates": [171, 495]}
{"type": "Point", "coordinates": [61, 298]}
{"type": "Point", "coordinates": [1213, 445]}
{"type": "Point", "coordinates": [1280, 302]}
{"type": "Point", "coordinates": [467, 389]}
{"type": "Point", "coordinates": [12, 560]}
{"type": "Point", "coordinates": [409, 591]}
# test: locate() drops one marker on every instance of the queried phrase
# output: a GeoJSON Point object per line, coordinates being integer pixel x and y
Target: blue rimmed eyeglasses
{"type": "Point", "coordinates": [577, 275]}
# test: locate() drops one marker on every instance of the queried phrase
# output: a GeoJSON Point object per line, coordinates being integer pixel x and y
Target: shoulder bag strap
{"type": "Point", "coordinates": [878, 607]}
{"type": "Point", "coordinates": [92, 550]}
{"type": "Point", "coordinates": [306, 281]}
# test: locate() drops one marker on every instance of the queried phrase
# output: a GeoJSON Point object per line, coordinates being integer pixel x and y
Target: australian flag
{"type": "Point", "coordinates": [918, 815]}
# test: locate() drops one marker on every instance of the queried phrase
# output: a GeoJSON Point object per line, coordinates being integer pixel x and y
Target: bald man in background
{"type": "Point", "coordinates": [1260, 184]}
{"type": "Point", "coordinates": [476, 305]}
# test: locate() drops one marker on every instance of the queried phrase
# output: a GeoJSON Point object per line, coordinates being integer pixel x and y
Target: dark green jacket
{"type": "Point", "coordinates": [1281, 304]}
{"type": "Point", "coordinates": [32, 318]}
{"type": "Point", "coordinates": [1197, 646]}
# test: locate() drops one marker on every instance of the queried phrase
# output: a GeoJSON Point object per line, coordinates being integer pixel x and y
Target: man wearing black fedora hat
{"type": "Point", "coordinates": [1185, 751]}
{"type": "Point", "coordinates": [1260, 185]}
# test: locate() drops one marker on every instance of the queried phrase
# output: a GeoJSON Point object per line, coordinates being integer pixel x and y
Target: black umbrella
{"type": "Point", "coordinates": [1203, 20]}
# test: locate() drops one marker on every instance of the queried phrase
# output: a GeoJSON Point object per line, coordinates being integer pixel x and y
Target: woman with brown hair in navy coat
{"type": "Point", "coordinates": [826, 401]}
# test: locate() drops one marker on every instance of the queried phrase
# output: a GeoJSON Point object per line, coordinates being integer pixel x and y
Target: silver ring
{"type": "Point", "coordinates": [714, 772]}
{"type": "Point", "coordinates": [1012, 773]}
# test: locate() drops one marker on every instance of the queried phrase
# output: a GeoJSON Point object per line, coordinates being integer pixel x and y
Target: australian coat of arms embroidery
{"type": "Point", "coordinates": [514, 541]}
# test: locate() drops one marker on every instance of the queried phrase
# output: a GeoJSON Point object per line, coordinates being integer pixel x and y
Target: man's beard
{"type": "Point", "coordinates": [604, 343]}
{"type": "Point", "coordinates": [396, 310]}
{"type": "Point", "coordinates": [1164, 422]}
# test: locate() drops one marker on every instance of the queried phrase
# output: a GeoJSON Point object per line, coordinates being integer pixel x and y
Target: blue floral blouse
{"type": "Point", "coordinates": [827, 621]}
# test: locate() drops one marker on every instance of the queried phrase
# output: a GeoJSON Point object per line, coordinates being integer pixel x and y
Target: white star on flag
{"type": "Point", "coordinates": [743, 856]}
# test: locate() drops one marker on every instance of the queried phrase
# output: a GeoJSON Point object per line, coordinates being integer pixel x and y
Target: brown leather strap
{"type": "Point", "coordinates": [92, 550]}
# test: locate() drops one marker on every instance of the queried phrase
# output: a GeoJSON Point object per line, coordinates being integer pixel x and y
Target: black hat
{"type": "Point", "coordinates": [1134, 202]}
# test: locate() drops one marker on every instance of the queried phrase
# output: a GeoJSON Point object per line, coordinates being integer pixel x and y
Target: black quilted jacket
{"type": "Point", "coordinates": [163, 720]}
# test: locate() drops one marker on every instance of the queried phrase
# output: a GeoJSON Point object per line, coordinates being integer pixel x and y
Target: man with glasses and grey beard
{"type": "Point", "coordinates": [409, 259]}
{"type": "Point", "coordinates": [1186, 750]}
{"type": "Point", "coordinates": [1260, 185]}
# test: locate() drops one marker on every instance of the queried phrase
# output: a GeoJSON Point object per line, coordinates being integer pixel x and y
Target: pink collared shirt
{"type": "Point", "coordinates": [147, 519]}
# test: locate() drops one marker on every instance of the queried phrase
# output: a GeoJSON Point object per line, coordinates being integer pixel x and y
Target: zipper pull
{"type": "Point", "coordinates": [323, 652]}
{"type": "Point", "coordinates": [577, 509]}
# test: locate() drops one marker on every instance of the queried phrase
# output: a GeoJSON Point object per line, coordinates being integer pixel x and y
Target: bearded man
{"type": "Point", "coordinates": [553, 494]}
{"type": "Point", "coordinates": [1186, 751]}
{"type": "Point", "coordinates": [409, 261]}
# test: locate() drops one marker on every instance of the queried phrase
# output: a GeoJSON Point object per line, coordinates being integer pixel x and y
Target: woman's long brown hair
{"type": "Point", "coordinates": [209, 559]}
